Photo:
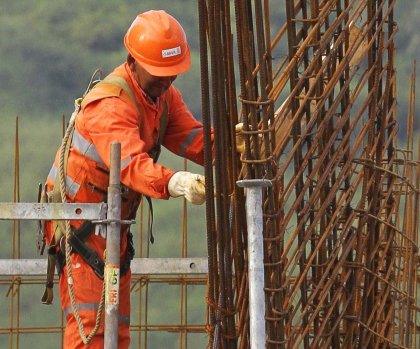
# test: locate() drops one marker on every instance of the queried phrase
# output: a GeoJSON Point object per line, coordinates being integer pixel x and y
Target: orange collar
{"type": "Point", "coordinates": [134, 82]}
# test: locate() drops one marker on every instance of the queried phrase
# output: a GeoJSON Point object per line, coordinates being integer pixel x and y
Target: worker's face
{"type": "Point", "coordinates": [154, 86]}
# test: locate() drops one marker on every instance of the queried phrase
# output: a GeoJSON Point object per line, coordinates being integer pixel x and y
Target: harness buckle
{"type": "Point", "coordinates": [100, 230]}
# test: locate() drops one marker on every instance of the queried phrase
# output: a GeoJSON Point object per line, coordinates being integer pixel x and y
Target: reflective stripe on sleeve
{"type": "Point", "coordinates": [188, 140]}
{"type": "Point", "coordinates": [86, 148]}
{"type": "Point", "coordinates": [125, 162]}
{"type": "Point", "coordinates": [89, 150]}
{"type": "Point", "coordinates": [72, 187]}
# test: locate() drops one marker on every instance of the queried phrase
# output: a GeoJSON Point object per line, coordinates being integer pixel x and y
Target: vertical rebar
{"type": "Point", "coordinates": [412, 250]}
{"type": "Point", "coordinates": [296, 134]}
{"type": "Point", "coordinates": [208, 170]}
{"type": "Point", "coordinates": [15, 294]}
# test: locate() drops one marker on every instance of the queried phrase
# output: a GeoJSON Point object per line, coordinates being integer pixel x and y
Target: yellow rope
{"type": "Point", "coordinates": [86, 339]}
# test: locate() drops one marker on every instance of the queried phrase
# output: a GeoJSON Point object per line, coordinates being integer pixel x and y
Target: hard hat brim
{"type": "Point", "coordinates": [172, 70]}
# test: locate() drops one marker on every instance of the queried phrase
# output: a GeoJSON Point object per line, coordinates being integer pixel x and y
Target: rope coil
{"type": "Point", "coordinates": [66, 139]}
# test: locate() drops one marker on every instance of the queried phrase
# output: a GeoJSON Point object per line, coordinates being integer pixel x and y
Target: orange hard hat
{"type": "Point", "coordinates": [158, 43]}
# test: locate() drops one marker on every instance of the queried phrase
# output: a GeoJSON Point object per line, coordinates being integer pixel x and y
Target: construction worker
{"type": "Point", "coordinates": [128, 107]}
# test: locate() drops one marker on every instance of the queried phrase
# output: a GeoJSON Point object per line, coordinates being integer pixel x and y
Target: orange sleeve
{"type": "Point", "coordinates": [184, 134]}
{"type": "Point", "coordinates": [112, 120]}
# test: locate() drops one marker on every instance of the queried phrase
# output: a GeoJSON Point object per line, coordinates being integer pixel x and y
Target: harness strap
{"type": "Point", "coordinates": [77, 242]}
{"type": "Point", "coordinates": [154, 153]}
{"type": "Point", "coordinates": [91, 257]}
{"type": "Point", "coordinates": [121, 82]}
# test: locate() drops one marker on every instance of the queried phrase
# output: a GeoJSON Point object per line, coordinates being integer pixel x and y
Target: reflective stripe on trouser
{"type": "Point", "coordinates": [88, 289]}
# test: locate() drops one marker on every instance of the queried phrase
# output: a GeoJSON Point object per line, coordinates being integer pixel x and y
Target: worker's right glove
{"type": "Point", "coordinates": [189, 185]}
{"type": "Point", "coordinates": [239, 137]}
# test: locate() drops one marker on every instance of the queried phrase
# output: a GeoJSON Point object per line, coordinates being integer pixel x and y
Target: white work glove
{"type": "Point", "coordinates": [189, 185]}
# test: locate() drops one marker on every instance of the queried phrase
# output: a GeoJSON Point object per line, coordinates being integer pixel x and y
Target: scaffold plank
{"type": "Point", "coordinates": [139, 266]}
{"type": "Point", "coordinates": [56, 211]}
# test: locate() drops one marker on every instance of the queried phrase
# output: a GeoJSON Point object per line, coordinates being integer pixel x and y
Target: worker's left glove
{"type": "Point", "coordinates": [189, 185]}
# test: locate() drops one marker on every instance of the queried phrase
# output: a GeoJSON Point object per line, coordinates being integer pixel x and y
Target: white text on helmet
{"type": "Point", "coordinates": [170, 52]}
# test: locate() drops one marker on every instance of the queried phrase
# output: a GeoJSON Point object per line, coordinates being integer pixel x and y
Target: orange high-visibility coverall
{"type": "Point", "coordinates": [109, 115]}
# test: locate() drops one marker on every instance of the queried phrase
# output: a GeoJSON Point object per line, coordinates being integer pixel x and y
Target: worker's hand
{"type": "Point", "coordinates": [189, 185]}
{"type": "Point", "coordinates": [240, 139]}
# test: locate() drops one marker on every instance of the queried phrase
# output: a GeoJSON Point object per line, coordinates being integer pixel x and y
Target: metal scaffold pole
{"type": "Point", "coordinates": [112, 261]}
{"type": "Point", "coordinates": [254, 220]}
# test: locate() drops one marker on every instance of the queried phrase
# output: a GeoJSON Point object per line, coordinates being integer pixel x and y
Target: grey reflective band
{"type": "Point", "coordinates": [189, 140]}
{"type": "Point", "coordinates": [125, 162]}
{"type": "Point", "coordinates": [124, 319]}
{"type": "Point", "coordinates": [89, 150]}
{"type": "Point", "coordinates": [86, 148]}
{"type": "Point", "coordinates": [72, 187]}
{"type": "Point", "coordinates": [81, 306]}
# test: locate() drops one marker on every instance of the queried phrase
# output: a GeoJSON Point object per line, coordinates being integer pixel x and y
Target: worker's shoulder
{"type": "Point", "coordinates": [102, 91]}
{"type": "Point", "coordinates": [104, 114]}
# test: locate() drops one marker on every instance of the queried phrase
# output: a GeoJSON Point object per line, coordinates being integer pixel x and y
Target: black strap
{"type": "Point", "coordinates": [91, 257]}
{"type": "Point", "coordinates": [154, 153]}
{"type": "Point", "coordinates": [125, 265]}
{"type": "Point", "coordinates": [88, 255]}
{"type": "Point", "coordinates": [84, 231]}
{"type": "Point", "coordinates": [149, 201]}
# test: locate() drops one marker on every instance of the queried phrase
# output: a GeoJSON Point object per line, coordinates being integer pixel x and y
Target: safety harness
{"type": "Point", "coordinates": [67, 239]}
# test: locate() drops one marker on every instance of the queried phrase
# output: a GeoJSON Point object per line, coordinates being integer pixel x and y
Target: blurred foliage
{"type": "Point", "coordinates": [49, 49]}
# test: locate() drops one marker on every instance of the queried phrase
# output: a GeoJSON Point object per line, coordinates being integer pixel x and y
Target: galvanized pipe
{"type": "Point", "coordinates": [254, 219]}
{"type": "Point", "coordinates": [112, 260]}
